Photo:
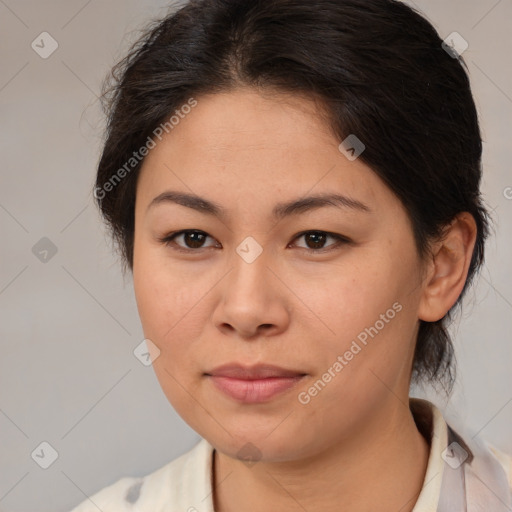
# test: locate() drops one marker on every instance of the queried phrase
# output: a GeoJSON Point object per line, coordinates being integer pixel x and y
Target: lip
{"type": "Point", "coordinates": [255, 372]}
{"type": "Point", "coordinates": [254, 384]}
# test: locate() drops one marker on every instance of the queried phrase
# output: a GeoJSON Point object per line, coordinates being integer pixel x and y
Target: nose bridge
{"type": "Point", "coordinates": [250, 289]}
{"type": "Point", "coordinates": [250, 264]}
{"type": "Point", "coordinates": [251, 295]}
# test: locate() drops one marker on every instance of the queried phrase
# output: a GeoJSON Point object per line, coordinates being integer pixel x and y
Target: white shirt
{"type": "Point", "coordinates": [460, 477]}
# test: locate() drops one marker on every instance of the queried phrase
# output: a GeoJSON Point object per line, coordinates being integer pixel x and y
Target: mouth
{"type": "Point", "coordinates": [253, 384]}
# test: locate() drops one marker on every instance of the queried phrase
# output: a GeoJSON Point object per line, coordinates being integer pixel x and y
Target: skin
{"type": "Point", "coordinates": [355, 443]}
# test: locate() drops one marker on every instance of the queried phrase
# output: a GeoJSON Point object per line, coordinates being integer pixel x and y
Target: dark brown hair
{"type": "Point", "coordinates": [379, 68]}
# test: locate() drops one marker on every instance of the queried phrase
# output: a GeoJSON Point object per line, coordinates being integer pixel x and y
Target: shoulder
{"type": "Point", "coordinates": [182, 480]}
{"type": "Point", "coordinates": [462, 468]}
{"type": "Point", "coordinates": [485, 471]}
{"type": "Point", "coordinates": [506, 462]}
{"type": "Point", "coordinates": [114, 497]}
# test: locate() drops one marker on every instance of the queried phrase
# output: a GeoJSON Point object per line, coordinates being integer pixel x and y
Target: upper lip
{"type": "Point", "coordinates": [259, 371]}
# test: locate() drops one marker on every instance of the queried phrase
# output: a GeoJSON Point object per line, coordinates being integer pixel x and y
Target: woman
{"type": "Point", "coordinates": [295, 187]}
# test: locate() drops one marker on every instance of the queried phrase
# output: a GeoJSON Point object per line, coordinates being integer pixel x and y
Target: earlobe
{"type": "Point", "coordinates": [448, 269]}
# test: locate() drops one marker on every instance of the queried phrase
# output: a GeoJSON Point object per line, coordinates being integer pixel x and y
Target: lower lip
{"type": "Point", "coordinates": [254, 391]}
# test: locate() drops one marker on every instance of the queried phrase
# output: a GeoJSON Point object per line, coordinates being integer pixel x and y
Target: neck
{"type": "Point", "coordinates": [381, 467]}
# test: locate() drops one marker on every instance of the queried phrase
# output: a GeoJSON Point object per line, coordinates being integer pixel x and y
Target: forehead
{"type": "Point", "coordinates": [243, 144]}
{"type": "Point", "coordinates": [244, 120]}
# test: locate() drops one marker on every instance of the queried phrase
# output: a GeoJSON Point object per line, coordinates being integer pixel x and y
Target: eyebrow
{"type": "Point", "coordinates": [280, 211]}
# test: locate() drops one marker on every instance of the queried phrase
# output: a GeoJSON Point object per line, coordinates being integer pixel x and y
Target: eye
{"type": "Point", "coordinates": [193, 239]}
{"type": "Point", "coordinates": [318, 238]}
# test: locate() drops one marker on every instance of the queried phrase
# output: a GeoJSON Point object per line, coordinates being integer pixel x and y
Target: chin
{"type": "Point", "coordinates": [250, 444]}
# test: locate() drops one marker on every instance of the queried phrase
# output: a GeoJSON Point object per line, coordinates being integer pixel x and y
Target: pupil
{"type": "Point", "coordinates": [189, 236]}
{"type": "Point", "coordinates": [317, 235]}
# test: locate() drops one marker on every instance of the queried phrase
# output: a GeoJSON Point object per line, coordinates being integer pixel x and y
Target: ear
{"type": "Point", "coordinates": [448, 269]}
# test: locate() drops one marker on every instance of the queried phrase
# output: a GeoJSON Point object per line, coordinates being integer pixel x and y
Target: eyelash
{"type": "Point", "coordinates": [168, 241]}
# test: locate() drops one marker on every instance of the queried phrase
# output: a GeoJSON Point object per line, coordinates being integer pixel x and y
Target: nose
{"type": "Point", "coordinates": [253, 302]}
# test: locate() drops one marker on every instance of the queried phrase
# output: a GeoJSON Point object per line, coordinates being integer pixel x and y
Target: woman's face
{"type": "Point", "coordinates": [266, 284]}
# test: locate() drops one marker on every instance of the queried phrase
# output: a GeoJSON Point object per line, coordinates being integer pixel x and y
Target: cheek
{"type": "Point", "coordinates": [169, 305]}
{"type": "Point", "coordinates": [366, 311]}
{"type": "Point", "coordinates": [348, 296]}
{"type": "Point", "coordinates": [167, 296]}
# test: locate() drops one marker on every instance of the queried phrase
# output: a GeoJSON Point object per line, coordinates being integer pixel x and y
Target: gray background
{"type": "Point", "coordinates": [69, 325]}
